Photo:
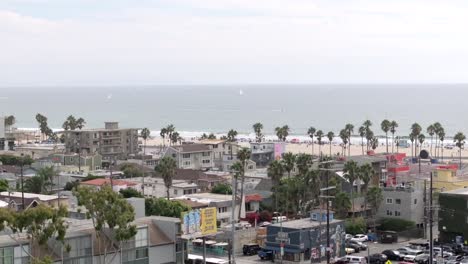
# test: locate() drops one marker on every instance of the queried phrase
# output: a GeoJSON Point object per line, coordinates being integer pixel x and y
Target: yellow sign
{"type": "Point", "coordinates": [208, 221]}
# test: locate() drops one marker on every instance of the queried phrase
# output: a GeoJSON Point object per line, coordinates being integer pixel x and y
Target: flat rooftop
{"type": "Point", "coordinates": [462, 191]}
{"type": "Point", "coordinates": [304, 223]}
{"type": "Point", "coordinates": [41, 197]}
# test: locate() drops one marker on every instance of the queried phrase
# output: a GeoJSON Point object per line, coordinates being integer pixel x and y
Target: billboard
{"type": "Point", "coordinates": [199, 222]}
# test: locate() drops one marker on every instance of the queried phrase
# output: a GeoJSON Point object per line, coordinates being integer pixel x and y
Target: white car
{"type": "Point", "coordinates": [349, 251]}
{"type": "Point", "coordinates": [360, 238]}
{"type": "Point", "coordinates": [348, 236]}
{"type": "Point", "coordinates": [411, 255]}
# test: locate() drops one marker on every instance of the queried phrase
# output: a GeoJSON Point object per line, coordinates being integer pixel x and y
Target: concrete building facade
{"type": "Point", "coordinates": [192, 156]}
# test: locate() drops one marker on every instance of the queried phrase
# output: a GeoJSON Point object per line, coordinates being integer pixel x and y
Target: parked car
{"type": "Point", "coordinates": [377, 259]}
{"type": "Point", "coordinates": [356, 260]}
{"type": "Point", "coordinates": [264, 254]}
{"type": "Point", "coordinates": [404, 251]}
{"type": "Point", "coordinates": [424, 259]}
{"type": "Point", "coordinates": [251, 249]}
{"type": "Point", "coordinates": [392, 254]}
{"type": "Point", "coordinates": [348, 236]}
{"type": "Point", "coordinates": [356, 247]}
{"type": "Point", "coordinates": [456, 259]}
{"type": "Point", "coordinates": [360, 238]}
{"type": "Point", "coordinates": [361, 245]}
{"type": "Point", "coordinates": [411, 255]}
{"type": "Point", "coordinates": [342, 260]}
{"type": "Point", "coordinates": [349, 251]}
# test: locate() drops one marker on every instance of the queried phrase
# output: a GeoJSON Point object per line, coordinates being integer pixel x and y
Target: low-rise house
{"type": "Point", "coordinates": [224, 152]}
{"type": "Point", "coordinates": [116, 184]}
{"type": "Point", "coordinates": [222, 202]}
{"type": "Point", "coordinates": [304, 240]}
{"type": "Point", "coordinates": [204, 180]}
{"type": "Point", "coordinates": [378, 163]}
{"type": "Point", "coordinates": [404, 202]}
{"type": "Point", "coordinates": [37, 151]}
{"type": "Point", "coordinates": [32, 199]}
{"type": "Point", "coordinates": [154, 187]}
{"type": "Point", "coordinates": [192, 156]}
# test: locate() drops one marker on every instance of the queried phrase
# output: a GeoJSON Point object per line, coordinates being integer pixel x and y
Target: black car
{"type": "Point", "coordinates": [356, 247]}
{"type": "Point", "coordinates": [392, 254]}
{"type": "Point", "coordinates": [251, 249]}
{"type": "Point", "coordinates": [377, 259]}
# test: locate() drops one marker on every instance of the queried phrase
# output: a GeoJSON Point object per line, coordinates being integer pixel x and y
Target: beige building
{"type": "Point", "coordinates": [111, 142]}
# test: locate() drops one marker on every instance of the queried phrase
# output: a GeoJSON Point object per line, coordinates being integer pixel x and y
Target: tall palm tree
{"type": "Point", "coordinates": [243, 155]}
{"type": "Point", "coordinates": [385, 125]}
{"type": "Point", "coordinates": [170, 130]}
{"type": "Point", "coordinates": [437, 128]}
{"type": "Point", "coordinates": [366, 173]}
{"type": "Point", "coordinates": [275, 171]}
{"type": "Point", "coordinates": [349, 130]}
{"type": "Point", "coordinates": [374, 197]}
{"type": "Point", "coordinates": [431, 131]}
{"type": "Point", "coordinates": [344, 138]}
{"type": "Point", "coordinates": [416, 130]}
{"type": "Point", "coordinates": [412, 138]}
{"type": "Point", "coordinates": [421, 139]}
{"type": "Point", "coordinates": [441, 136]}
{"type": "Point", "coordinates": [303, 163]}
{"type": "Point", "coordinates": [257, 127]}
{"type": "Point", "coordinates": [367, 124]}
{"type": "Point", "coordinates": [351, 171]}
{"type": "Point", "coordinates": [289, 161]}
{"type": "Point", "coordinates": [459, 140]}
{"type": "Point", "coordinates": [369, 137]}
{"type": "Point", "coordinates": [279, 133]}
{"type": "Point", "coordinates": [231, 138]}
{"type": "Point", "coordinates": [163, 134]}
{"type": "Point", "coordinates": [167, 168]}
{"type": "Point", "coordinates": [362, 134]}
{"type": "Point", "coordinates": [311, 132]}
{"type": "Point", "coordinates": [330, 136]}
{"type": "Point", "coordinates": [393, 127]}
{"type": "Point", "coordinates": [319, 135]}
{"type": "Point", "coordinates": [145, 134]}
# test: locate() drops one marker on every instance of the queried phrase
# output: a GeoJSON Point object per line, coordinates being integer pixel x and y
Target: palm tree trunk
{"type": "Point", "coordinates": [349, 147]}
{"type": "Point", "coordinates": [241, 192]}
{"type": "Point", "coordinates": [352, 198]}
{"type": "Point", "coordinates": [362, 145]}
{"type": "Point", "coordinates": [412, 148]}
{"type": "Point", "coordinates": [442, 149]}
{"type": "Point", "coordinates": [393, 141]}
{"type": "Point", "coordinates": [431, 144]}
{"type": "Point", "coordinates": [386, 140]}
{"type": "Point", "coordinates": [144, 148]}
{"type": "Point", "coordinates": [330, 149]}
{"type": "Point", "coordinates": [435, 148]}
{"type": "Point", "coordinates": [167, 193]}
{"type": "Point", "coordinates": [460, 159]}
{"type": "Point", "coordinates": [312, 147]}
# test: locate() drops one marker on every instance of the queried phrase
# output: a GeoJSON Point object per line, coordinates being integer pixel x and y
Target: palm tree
{"type": "Point", "coordinates": [236, 169]}
{"type": "Point", "coordinates": [319, 135]}
{"type": "Point", "coordinates": [80, 123]}
{"type": "Point", "coordinates": [366, 174]}
{"type": "Point", "coordinates": [369, 137]}
{"type": "Point", "coordinates": [459, 140]}
{"type": "Point", "coordinates": [286, 131]}
{"type": "Point", "coordinates": [311, 132]}
{"type": "Point", "coordinates": [437, 128]}
{"type": "Point", "coordinates": [441, 138]}
{"type": "Point", "coordinates": [282, 132]}
{"type": "Point", "coordinates": [349, 130]}
{"type": "Point", "coordinates": [367, 124]}
{"type": "Point", "coordinates": [374, 197]}
{"type": "Point", "coordinates": [163, 134]}
{"type": "Point", "coordinates": [416, 130]}
{"type": "Point", "coordinates": [175, 137]}
{"type": "Point", "coordinates": [145, 134]}
{"type": "Point", "coordinates": [243, 155]}
{"type": "Point", "coordinates": [275, 171]}
{"type": "Point", "coordinates": [231, 138]}
{"type": "Point", "coordinates": [351, 171]}
{"type": "Point", "coordinates": [342, 204]}
{"type": "Point", "coordinates": [10, 120]}
{"type": "Point", "coordinates": [167, 168]}
{"type": "Point", "coordinates": [279, 133]}
{"type": "Point", "coordinates": [431, 131]}
{"type": "Point", "coordinates": [385, 125]}
{"type": "Point", "coordinates": [330, 136]}
{"type": "Point", "coordinates": [393, 127]}
{"type": "Point", "coordinates": [170, 130]}
{"type": "Point", "coordinates": [289, 161]}
{"type": "Point", "coordinates": [344, 138]}
{"type": "Point", "coordinates": [362, 134]}
{"type": "Point", "coordinates": [412, 138]}
{"type": "Point", "coordinates": [421, 139]}
{"type": "Point", "coordinates": [257, 127]}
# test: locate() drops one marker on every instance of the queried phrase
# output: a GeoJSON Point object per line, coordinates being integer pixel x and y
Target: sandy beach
{"type": "Point", "coordinates": [335, 148]}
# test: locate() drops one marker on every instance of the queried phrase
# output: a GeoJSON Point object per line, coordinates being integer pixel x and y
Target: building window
{"type": "Point", "coordinates": [206, 154]}
{"type": "Point", "coordinates": [389, 200]}
{"type": "Point", "coordinates": [230, 158]}
{"type": "Point", "coordinates": [186, 156]}
{"type": "Point", "coordinates": [6, 255]}
{"type": "Point", "coordinates": [186, 163]}
{"type": "Point", "coordinates": [389, 212]}
{"type": "Point", "coordinates": [397, 201]}
{"type": "Point", "coordinates": [175, 192]}
{"type": "Point", "coordinates": [222, 209]}
{"type": "Point", "coordinates": [397, 213]}
{"type": "Point", "coordinates": [415, 201]}
{"type": "Point", "coordinates": [174, 155]}
{"type": "Point", "coordinates": [206, 161]}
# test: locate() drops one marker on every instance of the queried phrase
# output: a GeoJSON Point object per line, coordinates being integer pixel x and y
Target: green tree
{"type": "Point", "coordinates": [369, 137]}
{"type": "Point", "coordinates": [175, 137]}
{"type": "Point", "coordinates": [342, 204]}
{"type": "Point", "coordinates": [275, 171]}
{"type": "Point", "coordinates": [459, 140]}
{"type": "Point", "coordinates": [167, 168]}
{"type": "Point", "coordinates": [257, 127]}
{"type": "Point", "coordinates": [349, 131]}
{"type": "Point", "coordinates": [39, 183]}
{"type": "Point", "coordinates": [311, 132]}
{"type": "Point", "coordinates": [437, 128]}
{"type": "Point", "coordinates": [385, 126]}
{"type": "Point", "coordinates": [412, 138]}
{"type": "Point", "coordinates": [108, 210]}
{"type": "Point", "coordinates": [367, 124]}
{"type": "Point", "coordinates": [319, 136]}
{"type": "Point", "coordinates": [163, 207]}
{"type": "Point", "coordinates": [145, 134]}
{"type": "Point", "coordinates": [330, 136]}
{"type": "Point", "coordinates": [80, 122]}
{"type": "Point", "coordinates": [222, 188]}
{"type": "Point", "coordinates": [362, 134]}
{"type": "Point", "coordinates": [374, 197]}
{"type": "Point", "coordinates": [356, 226]}
{"type": "Point", "coordinates": [416, 130]}
{"type": "Point", "coordinates": [344, 139]}
{"type": "Point", "coordinates": [441, 136]}
{"type": "Point", "coordinates": [366, 173]}
{"type": "Point", "coordinates": [129, 193]}
{"type": "Point", "coordinates": [131, 170]}
{"type": "Point", "coordinates": [163, 134]}
{"type": "Point", "coordinates": [303, 163]}
{"type": "Point", "coordinates": [431, 131]}
{"type": "Point", "coordinates": [231, 138]}
{"type": "Point", "coordinates": [70, 123]}
{"type": "Point", "coordinates": [211, 136]}
{"type": "Point", "coordinates": [4, 186]}
{"type": "Point", "coordinates": [10, 120]}
{"type": "Point", "coordinates": [421, 138]}
{"type": "Point", "coordinates": [289, 160]}
{"type": "Point", "coordinates": [351, 170]}
{"type": "Point", "coordinates": [393, 127]}
{"type": "Point", "coordinates": [282, 132]}
{"type": "Point", "coordinates": [374, 142]}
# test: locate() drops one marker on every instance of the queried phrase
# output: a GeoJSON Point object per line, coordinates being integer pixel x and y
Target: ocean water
{"type": "Point", "coordinates": [220, 108]}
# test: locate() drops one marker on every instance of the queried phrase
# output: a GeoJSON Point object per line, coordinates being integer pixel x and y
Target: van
{"type": "Point", "coordinates": [278, 219]}
{"type": "Point", "coordinates": [356, 260]}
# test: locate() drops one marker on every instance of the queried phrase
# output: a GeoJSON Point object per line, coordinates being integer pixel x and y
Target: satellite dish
{"type": "Point", "coordinates": [424, 154]}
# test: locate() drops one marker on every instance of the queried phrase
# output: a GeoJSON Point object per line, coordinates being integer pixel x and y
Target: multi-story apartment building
{"type": "Point", "coordinates": [192, 156]}
{"type": "Point", "coordinates": [111, 142]}
{"type": "Point", "coordinates": [264, 153]}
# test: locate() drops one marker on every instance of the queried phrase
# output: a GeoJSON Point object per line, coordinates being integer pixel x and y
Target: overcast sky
{"type": "Point", "coordinates": [144, 42]}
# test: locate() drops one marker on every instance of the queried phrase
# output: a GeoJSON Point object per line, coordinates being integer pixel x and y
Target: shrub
{"type": "Point", "coordinates": [355, 226]}
{"type": "Point", "coordinates": [391, 224]}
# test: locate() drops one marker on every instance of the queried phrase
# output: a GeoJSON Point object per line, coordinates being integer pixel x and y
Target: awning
{"type": "Point", "coordinates": [286, 249]}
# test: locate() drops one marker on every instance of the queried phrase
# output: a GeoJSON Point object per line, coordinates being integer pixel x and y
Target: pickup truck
{"type": "Point", "coordinates": [265, 254]}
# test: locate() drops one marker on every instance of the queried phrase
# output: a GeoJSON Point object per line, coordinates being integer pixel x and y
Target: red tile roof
{"type": "Point", "coordinates": [101, 182]}
{"type": "Point", "coordinates": [253, 198]}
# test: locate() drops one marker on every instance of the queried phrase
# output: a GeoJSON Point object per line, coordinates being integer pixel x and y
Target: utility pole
{"type": "Point", "coordinates": [22, 189]}
{"type": "Point", "coordinates": [327, 198]}
{"type": "Point", "coordinates": [431, 240]}
{"type": "Point", "coordinates": [233, 228]}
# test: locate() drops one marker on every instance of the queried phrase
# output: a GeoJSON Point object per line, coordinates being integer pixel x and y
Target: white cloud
{"type": "Point", "coordinates": [241, 41]}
